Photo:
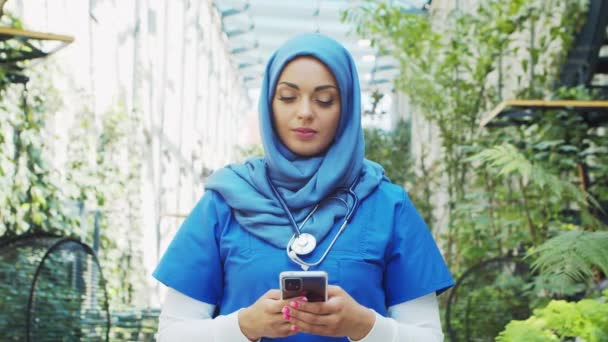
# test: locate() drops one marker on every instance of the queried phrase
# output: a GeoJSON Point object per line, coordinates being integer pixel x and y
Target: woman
{"type": "Point", "coordinates": [223, 265]}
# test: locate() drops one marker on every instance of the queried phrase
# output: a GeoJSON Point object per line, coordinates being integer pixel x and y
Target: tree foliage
{"type": "Point", "coordinates": [391, 149]}
{"type": "Point", "coordinates": [98, 185]}
{"type": "Point", "coordinates": [512, 188]}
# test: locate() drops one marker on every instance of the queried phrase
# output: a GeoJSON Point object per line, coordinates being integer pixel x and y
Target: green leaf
{"type": "Point", "coordinates": [573, 254]}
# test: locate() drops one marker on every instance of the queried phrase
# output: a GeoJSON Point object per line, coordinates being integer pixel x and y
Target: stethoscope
{"type": "Point", "coordinates": [304, 243]}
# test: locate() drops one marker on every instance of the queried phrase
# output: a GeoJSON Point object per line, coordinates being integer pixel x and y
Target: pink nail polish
{"type": "Point", "coordinates": [286, 317]}
{"type": "Point", "coordinates": [295, 328]}
{"type": "Point", "coordinates": [294, 304]}
{"type": "Point", "coordinates": [304, 299]}
{"type": "Point", "coordinates": [286, 310]}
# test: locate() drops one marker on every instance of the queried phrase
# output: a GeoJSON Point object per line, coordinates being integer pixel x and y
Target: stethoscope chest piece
{"type": "Point", "coordinates": [304, 244]}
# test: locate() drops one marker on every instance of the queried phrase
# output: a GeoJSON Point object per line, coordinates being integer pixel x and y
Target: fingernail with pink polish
{"type": "Point", "coordinates": [295, 328]}
{"type": "Point", "coordinates": [286, 310]}
{"type": "Point", "coordinates": [294, 304]}
{"type": "Point", "coordinates": [286, 317]}
{"type": "Point", "coordinates": [304, 299]}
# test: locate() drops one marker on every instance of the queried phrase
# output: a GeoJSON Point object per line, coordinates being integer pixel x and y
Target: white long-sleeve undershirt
{"type": "Point", "coordinates": [185, 319]}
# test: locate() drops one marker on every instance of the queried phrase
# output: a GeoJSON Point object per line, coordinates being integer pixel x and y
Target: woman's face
{"type": "Point", "coordinates": [306, 107]}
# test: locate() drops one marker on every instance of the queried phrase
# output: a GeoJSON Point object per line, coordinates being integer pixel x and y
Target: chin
{"type": "Point", "coordinates": [309, 153]}
{"type": "Point", "coordinates": [305, 154]}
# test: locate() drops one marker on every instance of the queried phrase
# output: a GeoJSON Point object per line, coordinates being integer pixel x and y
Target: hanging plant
{"type": "Point", "coordinates": [35, 199]}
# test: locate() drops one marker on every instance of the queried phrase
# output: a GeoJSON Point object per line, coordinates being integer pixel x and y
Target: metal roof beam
{"type": "Point", "coordinates": [383, 68]}
{"type": "Point", "coordinates": [243, 49]}
{"type": "Point", "coordinates": [268, 22]}
{"type": "Point", "coordinates": [379, 81]}
{"type": "Point", "coordinates": [239, 31]}
{"type": "Point", "coordinates": [234, 11]}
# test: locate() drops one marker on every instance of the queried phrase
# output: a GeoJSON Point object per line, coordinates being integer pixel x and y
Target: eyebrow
{"type": "Point", "coordinates": [319, 88]}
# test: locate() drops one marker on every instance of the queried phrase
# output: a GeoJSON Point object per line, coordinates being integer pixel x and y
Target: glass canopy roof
{"type": "Point", "coordinates": [255, 28]}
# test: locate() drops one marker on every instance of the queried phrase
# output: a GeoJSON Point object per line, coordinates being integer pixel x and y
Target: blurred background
{"type": "Point", "coordinates": [492, 114]}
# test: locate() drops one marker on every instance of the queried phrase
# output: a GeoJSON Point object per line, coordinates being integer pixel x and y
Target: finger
{"type": "Point", "coordinates": [316, 308]}
{"type": "Point", "coordinates": [288, 311]}
{"type": "Point", "coordinates": [275, 307]}
{"type": "Point", "coordinates": [307, 317]}
{"type": "Point", "coordinates": [283, 328]}
{"type": "Point", "coordinates": [302, 304]}
{"type": "Point", "coordinates": [301, 326]}
{"type": "Point", "coordinates": [333, 305]}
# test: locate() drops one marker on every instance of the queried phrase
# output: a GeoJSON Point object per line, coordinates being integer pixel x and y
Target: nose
{"type": "Point", "coordinates": [305, 109]}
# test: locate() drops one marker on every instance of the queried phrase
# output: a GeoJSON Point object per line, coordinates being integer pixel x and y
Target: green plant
{"type": "Point", "coordinates": [116, 173]}
{"type": "Point", "coordinates": [487, 297]}
{"type": "Point", "coordinates": [62, 286]}
{"type": "Point", "coordinates": [562, 321]}
{"type": "Point", "coordinates": [454, 67]}
{"type": "Point", "coordinates": [572, 257]}
{"type": "Point", "coordinates": [102, 174]}
{"type": "Point", "coordinates": [507, 162]}
{"type": "Point", "coordinates": [508, 189]}
{"type": "Point", "coordinates": [391, 149]}
{"type": "Point", "coordinates": [32, 197]}
{"type": "Point", "coordinates": [566, 259]}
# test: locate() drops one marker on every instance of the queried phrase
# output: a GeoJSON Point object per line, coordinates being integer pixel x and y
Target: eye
{"type": "Point", "coordinates": [325, 103]}
{"type": "Point", "coordinates": [287, 99]}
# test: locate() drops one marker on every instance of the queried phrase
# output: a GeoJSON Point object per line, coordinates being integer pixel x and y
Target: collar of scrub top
{"type": "Point", "coordinates": [304, 243]}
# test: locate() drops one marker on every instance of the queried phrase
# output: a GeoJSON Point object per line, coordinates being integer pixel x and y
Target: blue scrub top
{"type": "Point", "coordinates": [385, 256]}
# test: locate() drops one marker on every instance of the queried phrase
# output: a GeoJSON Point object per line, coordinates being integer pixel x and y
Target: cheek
{"type": "Point", "coordinates": [278, 117]}
{"type": "Point", "coordinates": [334, 122]}
{"type": "Point", "coordinates": [276, 113]}
{"type": "Point", "coordinates": [273, 110]}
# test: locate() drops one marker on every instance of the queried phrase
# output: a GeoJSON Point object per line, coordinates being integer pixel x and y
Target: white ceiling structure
{"type": "Point", "coordinates": [256, 28]}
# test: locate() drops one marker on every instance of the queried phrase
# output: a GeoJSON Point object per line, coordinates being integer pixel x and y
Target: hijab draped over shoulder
{"type": "Point", "coordinates": [301, 181]}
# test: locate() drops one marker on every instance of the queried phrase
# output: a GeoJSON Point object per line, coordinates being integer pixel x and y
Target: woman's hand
{"type": "Point", "coordinates": [341, 315]}
{"type": "Point", "coordinates": [266, 317]}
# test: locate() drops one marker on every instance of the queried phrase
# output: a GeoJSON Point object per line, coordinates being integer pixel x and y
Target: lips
{"type": "Point", "coordinates": [305, 130]}
{"type": "Point", "coordinates": [304, 133]}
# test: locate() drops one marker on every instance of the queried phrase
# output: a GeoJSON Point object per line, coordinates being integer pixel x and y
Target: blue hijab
{"type": "Point", "coordinates": [301, 181]}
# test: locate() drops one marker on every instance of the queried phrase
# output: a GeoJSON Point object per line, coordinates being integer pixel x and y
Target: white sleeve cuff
{"type": "Point", "coordinates": [227, 328]}
{"type": "Point", "coordinates": [384, 329]}
{"type": "Point", "coordinates": [186, 319]}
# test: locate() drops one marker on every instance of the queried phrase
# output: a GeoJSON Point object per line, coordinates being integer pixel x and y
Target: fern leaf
{"type": "Point", "coordinates": [510, 162]}
{"type": "Point", "coordinates": [573, 254]}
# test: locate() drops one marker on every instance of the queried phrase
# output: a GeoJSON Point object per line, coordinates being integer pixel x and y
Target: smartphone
{"type": "Point", "coordinates": [312, 284]}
